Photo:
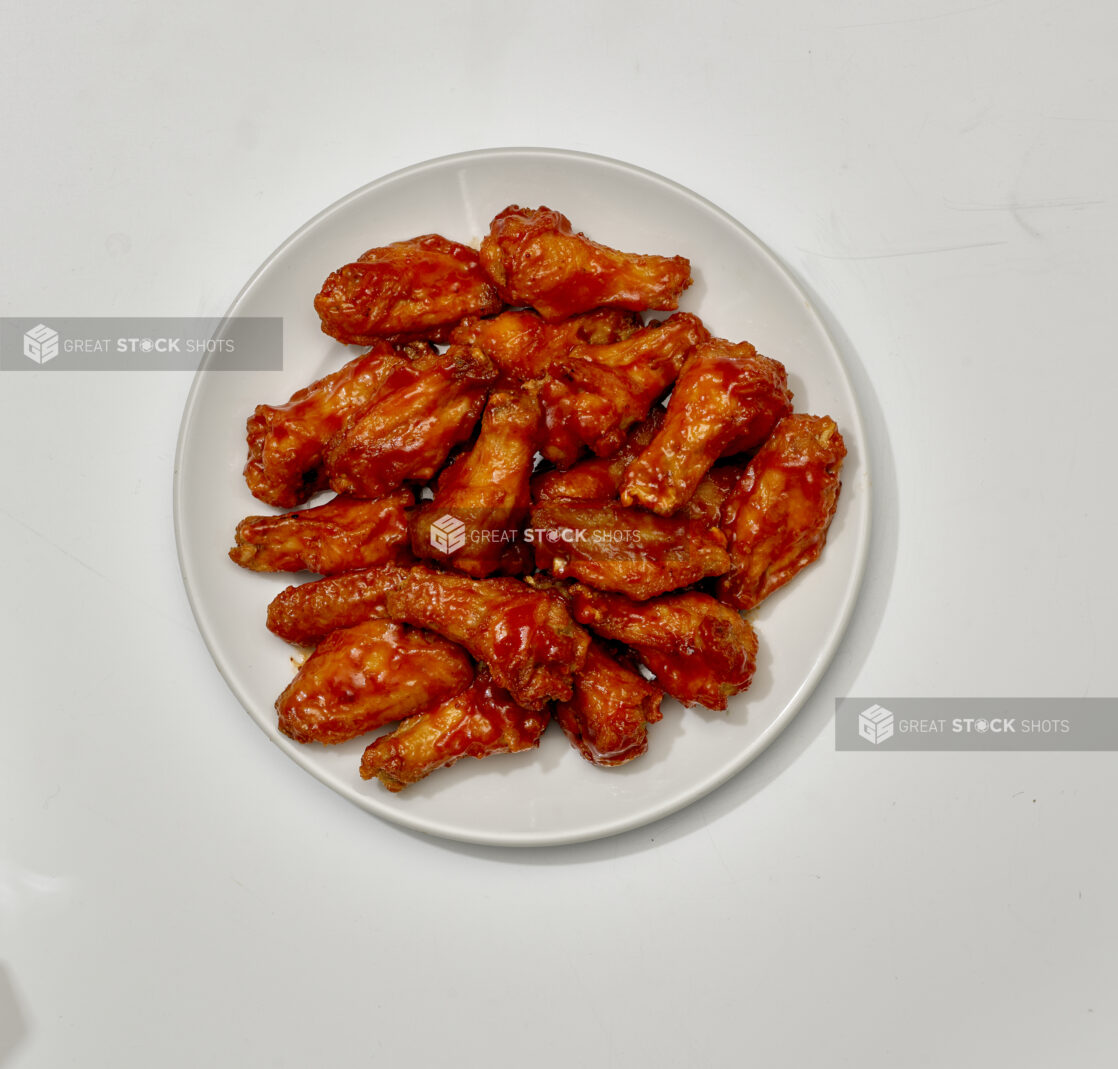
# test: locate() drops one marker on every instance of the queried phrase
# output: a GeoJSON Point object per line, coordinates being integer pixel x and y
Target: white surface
{"type": "Point", "coordinates": [175, 892]}
{"type": "Point", "coordinates": [553, 796]}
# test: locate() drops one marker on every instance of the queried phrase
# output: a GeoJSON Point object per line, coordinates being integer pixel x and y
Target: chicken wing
{"type": "Point", "coordinates": [419, 288]}
{"type": "Point", "coordinates": [339, 536]}
{"type": "Point", "coordinates": [594, 394]}
{"type": "Point", "coordinates": [526, 637]}
{"type": "Point", "coordinates": [709, 499]}
{"type": "Point", "coordinates": [526, 347]}
{"type": "Point", "coordinates": [480, 721]}
{"type": "Point", "coordinates": [727, 400]}
{"type": "Point", "coordinates": [608, 715]}
{"type": "Point", "coordinates": [597, 478]}
{"type": "Point", "coordinates": [423, 411]}
{"type": "Point", "coordinates": [482, 498]}
{"type": "Point", "coordinates": [699, 650]}
{"type": "Point", "coordinates": [777, 517]}
{"type": "Point", "coordinates": [610, 547]}
{"type": "Point", "coordinates": [536, 259]}
{"type": "Point", "coordinates": [365, 676]}
{"type": "Point", "coordinates": [286, 442]}
{"type": "Point", "coordinates": [305, 614]}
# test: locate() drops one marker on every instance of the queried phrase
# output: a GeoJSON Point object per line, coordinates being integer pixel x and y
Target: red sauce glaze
{"type": "Point", "coordinates": [481, 721]}
{"type": "Point", "coordinates": [286, 442]}
{"type": "Point", "coordinates": [777, 517]}
{"type": "Point", "coordinates": [535, 258]}
{"type": "Point", "coordinates": [419, 288]}
{"type": "Point", "coordinates": [365, 676]}
{"type": "Point", "coordinates": [607, 718]}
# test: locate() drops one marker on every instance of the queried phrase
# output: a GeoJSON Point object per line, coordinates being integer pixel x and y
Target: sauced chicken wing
{"type": "Point", "coordinates": [305, 614]}
{"type": "Point", "coordinates": [480, 721]}
{"type": "Point", "coordinates": [339, 536]}
{"type": "Point", "coordinates": [481, 502]}
{"type": "Point", "coordinates": [607, 718]}
{"type": "Point", "coordinates": [410, 289]}
{"type": "Point", "coordinates": [699, 650]}
{"type": "Point", "coordinates": [709, 498]}
{"type": "Point", "coordinates": [526, 637]}
{"type": "Point", "coordinates": [597, 478]}
{"type": "Point", "coordinates": [727, 400]}
{"type": "Point", "coordinates": [777, 517]}
{"type": "Point", "coordinates": [536, 259]}
{"type": "Point", "coordinates": [365, 676]}
{"type": "Point", "coordinates": [286, 442]}
{"type": "Point", "coordinates": [594, 395]}
{"type": "Point", "coordinates": [525, 347]}
{"type": "Point", "coordinates": [610, 547]}
{"type": "Point", "coordinates": [423, 411]}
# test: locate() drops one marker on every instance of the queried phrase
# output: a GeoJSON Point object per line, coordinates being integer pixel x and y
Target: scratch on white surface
{"type": "Point", "coordinates": [1015, 209]}
{"type": "Point", "coordinates": [54, 545]}
{"type": "Point", "coordinates": [925, 250]}
{"type": "Point", "coordinates": [1024, 205]}
{"type": "Point", "coordinates": [160, 610]}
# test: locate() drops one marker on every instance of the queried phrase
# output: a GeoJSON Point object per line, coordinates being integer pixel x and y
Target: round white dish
{"type": "Point", "coordinates": [741, 292]}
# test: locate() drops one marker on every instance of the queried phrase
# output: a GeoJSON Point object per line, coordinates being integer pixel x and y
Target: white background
{"type": "Point", "coordinates": [940, 175]}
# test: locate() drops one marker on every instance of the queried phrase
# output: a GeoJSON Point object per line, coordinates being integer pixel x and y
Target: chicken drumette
{"type": "Point", "coordinates": [363, 677]}
{"type": "Point", "coordinates": [608, 715]}
{"type": "Point", "coordinates": [419, 288]}
{"type": "Point", "coordinates": [777, 517]}
{"type": "Point", "coordinates": [727, 400]}
{"type": "Point", "coordinates": [338, 536]}
{"type": "Point", "coordinates": [535, 258]}
{"type": "Point", "coordinates": [424, 409]}
{"type": "Point", "coordinates": [698, 649]}
{"type": "Point", "coordinates": [286, 442]}
{"type": "Point", "coordinates": [526, 637]}
{"type": "Point", "coordinates": [480, 721]}
{"type": "Point", "coordinates": [481, 502]}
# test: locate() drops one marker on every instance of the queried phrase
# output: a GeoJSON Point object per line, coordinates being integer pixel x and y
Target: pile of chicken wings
{"type": "Point", "coordinates": [543, 505]}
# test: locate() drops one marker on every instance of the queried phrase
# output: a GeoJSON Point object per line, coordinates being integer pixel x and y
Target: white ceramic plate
{"type": "Point", "coordinates": [740, 291]}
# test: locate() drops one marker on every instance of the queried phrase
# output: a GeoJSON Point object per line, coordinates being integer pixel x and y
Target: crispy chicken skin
{"type": "Point", "coordinates": [536, 259]}
{"type": "Point", "coordinates": [596, 393]}
{"type": "Point", "coordinates": [776, 519]}
{"type": "Point", "coordinates": [305, 614]}
{"type": "Point", "coordinates": [486, 489]}
{"type": "Point", "coordinates": [424, 409]}
{"type": "Point", "coordinates": [286, 442]}
{"type": "Point", "coordinates": [526, 347]}
{"type": "Point", "coordinates": [343, 534]}
{"type": "Point", "coordinates": [607, 718]}
{"type": "Point", "coordinates": [699, 650]}
{"type": "Point", "coordinates": [727, 400]}
{"type": "Point", "coordinates": [709, 498]}
{"type": "Point", "coordinates": [480, 721]}
{"type": "Point", "coordinates": [365, 676]}
{"type": "Point", "coordinates": [526, 637]}
{"type": "Point", "coordinates": [596, 478]}
{"type": "Point", "coordinates": [419, 288]}
{"type": "Point", "coordinates": [629, 550]}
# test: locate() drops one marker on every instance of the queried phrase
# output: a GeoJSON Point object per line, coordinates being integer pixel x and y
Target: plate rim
{"type": "Point", "coordinates": [839, 624]}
